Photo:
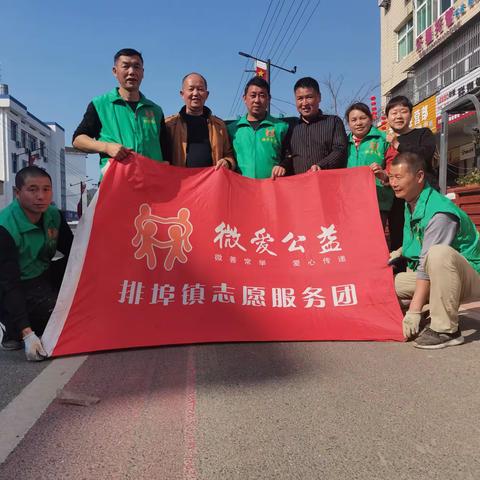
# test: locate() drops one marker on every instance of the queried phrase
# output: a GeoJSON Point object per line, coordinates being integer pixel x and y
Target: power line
{"type": "Point", "coordinates": [285, 46]}
{"type": "Point", "coordinates": [273, 55]}
{"type": "Point", "coordinates": [260, 45]}
{"type": "Point", "coordinates": [278, 108]}
{"type": "Point", "coordinates": [280, 30]}
{"type": "Point", "coordinates": [284, 101]}
{"type": "Point", "coordinates": [301, 32]}
{"type": "Point", "coordinates": [236, 97]}
{"type": "Point", "coordinates": [275, 20]}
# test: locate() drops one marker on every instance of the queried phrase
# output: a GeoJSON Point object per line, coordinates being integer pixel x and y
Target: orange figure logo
{"type": "Point", "coordinates": [179, 237]}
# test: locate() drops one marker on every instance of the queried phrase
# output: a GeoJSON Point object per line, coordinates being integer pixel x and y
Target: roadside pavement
{"type": "Point", "coordinates": [299, 410]}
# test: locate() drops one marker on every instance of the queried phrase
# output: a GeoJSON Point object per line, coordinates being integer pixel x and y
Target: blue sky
{"type": "Point", "coordinates": [56, 55]}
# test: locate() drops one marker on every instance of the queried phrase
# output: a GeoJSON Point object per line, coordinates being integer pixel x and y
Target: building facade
{"type": "Point", "coordinates": [430, 52]}
{"type": "Point", "coordinates": [24, 140]}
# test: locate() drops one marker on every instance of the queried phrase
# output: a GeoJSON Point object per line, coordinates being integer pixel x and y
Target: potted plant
{"type": "Point", "coordinates": [467, 195]}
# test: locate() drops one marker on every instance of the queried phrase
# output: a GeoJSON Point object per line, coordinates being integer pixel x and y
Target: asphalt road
{"type": "Point", "coordinates": [319, 410]}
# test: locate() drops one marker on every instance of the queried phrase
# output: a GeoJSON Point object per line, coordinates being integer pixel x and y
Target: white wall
{"type": "Point", "coordinates": [52, 135]}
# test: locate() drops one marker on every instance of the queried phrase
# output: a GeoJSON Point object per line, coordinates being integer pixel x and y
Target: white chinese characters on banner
{"type": "Point", "coordinates": [293, 247]}
{"type": "Point", "coordinates": [344, 295]}
{"type": "Point", "coordinates": [228, 237]}
{"type": "Point", "coordinates": [254, 296]}
{"type": "Point", "coordinates": [313, 298]}
{"type": "Point", "coordinates": [132, 293]}
{"type": "Point", "coordinates": [262, 239]}
{"type": "Point", "coordinates": [223, 294]}
{"type": "Point", "coordinates": [328, 240]}
{"type": "Point", "coordinates": [283, 297]}
{"type": "Point", "coordinates": [163, 294]}
{"type": "Point", "coordinates": [192, 294]}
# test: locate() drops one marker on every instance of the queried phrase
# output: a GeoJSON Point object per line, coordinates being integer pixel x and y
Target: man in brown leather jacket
{"type": "Point", "coordinates": [197, 138]}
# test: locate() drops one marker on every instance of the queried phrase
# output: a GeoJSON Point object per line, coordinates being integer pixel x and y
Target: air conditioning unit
{"type": "Point", "coordinates": [384, 3]}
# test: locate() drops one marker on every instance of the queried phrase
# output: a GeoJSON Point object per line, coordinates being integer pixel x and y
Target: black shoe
{"type": "Point", "coordinates": [11, 345]}
{"type": "Point", "coordinates": [431, 340]}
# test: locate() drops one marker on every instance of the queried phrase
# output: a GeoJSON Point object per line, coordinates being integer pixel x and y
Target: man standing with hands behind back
{"type": "Point", "coordinates": [318, 141]}
{"type": "Point", "coordinates": [123, 120]}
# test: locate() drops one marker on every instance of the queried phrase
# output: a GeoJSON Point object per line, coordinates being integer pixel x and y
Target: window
{"type": "Point", "coordinates": [32, 143]}
{"type": "Point", "coordinates": [43, 151]}
{"type": "Point", "coordinates": [443, 5]}
{"type": "Point", "coordinates": [424, 15]}
{"type": "Point", "coordinates": [14, 163]}
{"type": "Point", "coordinates": [427, 11]}
{"type": "Point", "coordinates": [24, 138]}
{"type": "Point", "coordinates": [405, 40]}
{"type": "Point", "coordinates": [13, 130]}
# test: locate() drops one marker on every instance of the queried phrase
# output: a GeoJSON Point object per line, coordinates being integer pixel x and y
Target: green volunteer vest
{"type": "Point", "coordinates": [430, 202]}
{"type": "Point", "coordinates": [139, 130]}
{"type": "Point", "coordinates": [371, 149]}
{"type": "Point", "coordinates": [257, 151]}
{"type": "Point", "coordinates": [36, 244]}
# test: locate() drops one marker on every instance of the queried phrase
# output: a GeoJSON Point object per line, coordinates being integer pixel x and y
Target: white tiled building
{"type": "Point", "coordinates": [23, 139]}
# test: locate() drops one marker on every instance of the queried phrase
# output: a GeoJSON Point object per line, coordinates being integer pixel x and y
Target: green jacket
{"type": "Point", "coordinates": [258, 151]}
{"type": "Point", "coordinates": [36, 244]}
{"type": "Point", "coordinates": [372, 148]}
{"type": "Point", "coordinates": [430, 202]}
{"type": "Point", "coordinates": [139, 130]}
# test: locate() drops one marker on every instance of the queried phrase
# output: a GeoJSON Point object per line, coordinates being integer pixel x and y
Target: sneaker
{"type": "Point", "coordinates": [11, 345]}
{"type": "Point", "coordinates": [431, 340]}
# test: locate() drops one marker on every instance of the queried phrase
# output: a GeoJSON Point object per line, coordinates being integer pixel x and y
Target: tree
{"type": "Point", "coordinates": [339, 101]}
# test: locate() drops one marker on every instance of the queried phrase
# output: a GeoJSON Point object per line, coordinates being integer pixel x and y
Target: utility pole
{"type": "Point", "coordinates": [269, 65]}
{"type": "Point", "coordinates": [82, 204]}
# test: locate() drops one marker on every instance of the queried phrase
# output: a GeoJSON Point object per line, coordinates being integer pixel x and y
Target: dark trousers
{"type": "Point", "coordinates": [40, 298]}
{"type": "Point", "coordinates": [396, 219]}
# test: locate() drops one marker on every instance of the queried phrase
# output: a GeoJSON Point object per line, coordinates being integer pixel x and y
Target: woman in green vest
{"type": "Point", "coordinates": [367, 146]}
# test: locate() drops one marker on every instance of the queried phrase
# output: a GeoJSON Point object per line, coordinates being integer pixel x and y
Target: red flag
{"type": "Point", "coordinates": [170, 255]}
{"type": "Point", "coordinates": [261, 70]}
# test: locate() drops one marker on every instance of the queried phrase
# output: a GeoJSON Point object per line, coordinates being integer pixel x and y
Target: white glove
{"type": "Point", "coordinates": [33, 348]}
{"type": "Point", "coordinates": [411, 324]}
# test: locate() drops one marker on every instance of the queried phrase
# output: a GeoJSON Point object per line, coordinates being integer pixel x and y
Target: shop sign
{"type": "Point", "coordinates": [443, 27]}
{"type": "Point", "coordinates": [424, 114]}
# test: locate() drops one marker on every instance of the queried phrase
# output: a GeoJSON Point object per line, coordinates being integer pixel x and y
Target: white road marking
{"type": "Point", "coordinates": [25, 409]}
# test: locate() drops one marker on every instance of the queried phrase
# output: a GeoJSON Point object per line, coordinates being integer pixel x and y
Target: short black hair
{"type": "Point", "coordinates": [398, 101]}
{"type": "Point", "coordinates": [195, 73]}
{"type": "Point", "coordinates": [414, 161]}
{"type": "Point", "coordinates": [307, 82]}
{"type": "Point", "coordinates": [30, 171]}
{"type": "Point", "coordinates": [257, 82]}
{"type": "Point", "coordinates": [127, 52]}
{"type": "Point", "coordinates": [363, 107]}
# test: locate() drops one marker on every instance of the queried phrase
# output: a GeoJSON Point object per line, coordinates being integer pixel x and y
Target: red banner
{"type": "Point", "coordinates": [168, 255]}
